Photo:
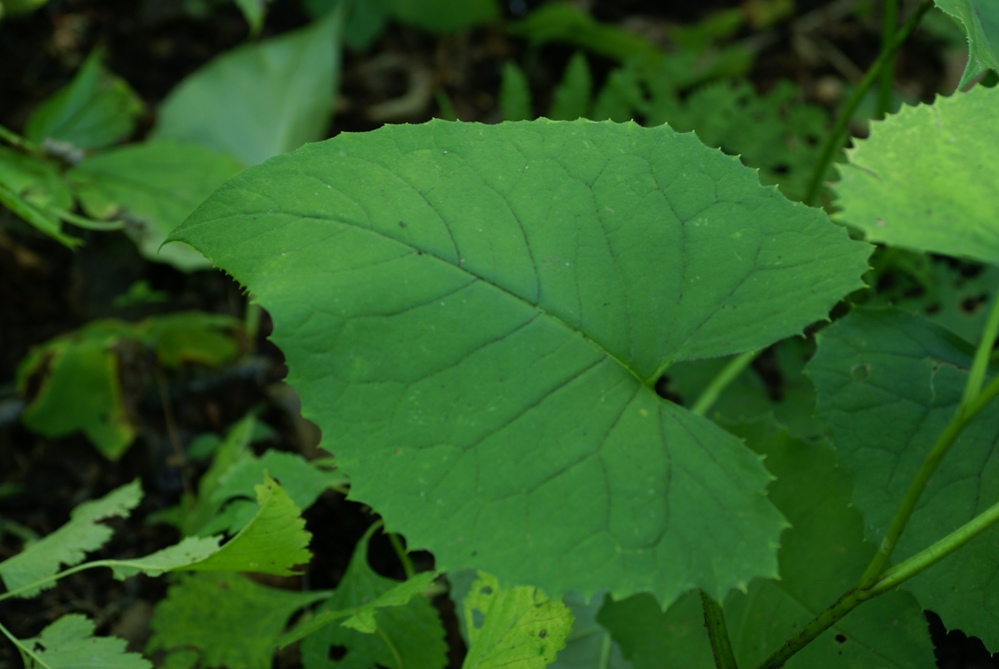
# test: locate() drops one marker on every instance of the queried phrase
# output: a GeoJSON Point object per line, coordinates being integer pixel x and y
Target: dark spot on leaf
{"type": "Point", "coordinates": [840, 638]}
{"type": "Point", "coordinates": [860, 372]}
{"type": "Point", "coordinates": [970, 305]}
{"type": "Point", "coordinates": [665, 392]}
{"type": "Point", "coordinates": [542, 634]}
{"type": "Point", "coordinates": [402, 224]}
{"type": "Point", "coordinates": [486, 590]}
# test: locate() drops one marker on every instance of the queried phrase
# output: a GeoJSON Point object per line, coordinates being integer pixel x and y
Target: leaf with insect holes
{"type": "Point", "coordinates": [512, 627]}
{"type": "Point", "coordinates": [476, 316]}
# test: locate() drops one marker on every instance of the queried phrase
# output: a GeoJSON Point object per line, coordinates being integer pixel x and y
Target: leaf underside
{"type": "Point", "coordinates": [476, 317]}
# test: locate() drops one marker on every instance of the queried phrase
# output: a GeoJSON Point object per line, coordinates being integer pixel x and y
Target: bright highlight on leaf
{"type": "Point", "coordinates": [476, 317]}
{"type": "Point", "coordinates": [926, 178]}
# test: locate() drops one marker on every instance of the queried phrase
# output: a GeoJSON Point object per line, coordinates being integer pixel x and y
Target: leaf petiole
{"type": "Point", "coordinates": [983, 353]}
{"type": "Point", "coordinates": [714, 622]}
{"type": "Point", "coordinates": [722, 380]}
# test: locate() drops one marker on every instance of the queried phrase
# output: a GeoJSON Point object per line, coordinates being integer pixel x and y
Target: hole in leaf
{"type": "Point", "coordinates": [337, 652]}
{"type": "Point", "coordinates": [664, 391]}
{"type": "Point", "coordinates": [478, 618]}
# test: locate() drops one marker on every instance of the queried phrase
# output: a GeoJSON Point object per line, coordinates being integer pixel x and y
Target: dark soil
{"type": "Point", "coordinates": [46, 290]}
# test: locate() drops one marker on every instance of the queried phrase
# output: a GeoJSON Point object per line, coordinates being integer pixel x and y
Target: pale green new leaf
{"type": "Point", "coordinates": [69, 643]}
{"type": "Point", "coordinates": [980, 20]}
{"type": "Point", "coordinates": [476, 317]}
{"type": "Point", "coordinates": [888, 384]}
{"type": "Point", "coordinates": [157, 184]}
{"type": "Point", "coordinates": [925, 179]}
{"type": "Point", "coordinates": [95, 110]}
{"type": "Point", "coordinates": [517, 628]}
{"type": "Point", "coordinates": [273, 542]}
{"type": "Point", "coordinates": [224, 619]}
{"type": "Point", "coordinates": [189, 551]}
{"type": "Point", "coordinates": [67, 546]}
{"type": "Point", "coordinates": [261, 99]}
{"type": "Point", "coordinates": [383, 622]}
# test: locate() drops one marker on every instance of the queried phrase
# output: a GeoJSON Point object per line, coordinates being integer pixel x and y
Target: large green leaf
{"type": "Point", "coordinates": [925, 178]}
{"type": "Point", "coordinates": [261, 99]}
{"type": "Point", "coordinates": [821, 557]}
{"type": "Point", "coordinates": [888, 383]}
{"type": "Point", "coordinates": [476, 317]}
{"type": "Point", "coordinates": [980, 20]}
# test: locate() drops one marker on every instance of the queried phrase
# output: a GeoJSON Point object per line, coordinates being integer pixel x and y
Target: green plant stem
{"type": "Point", "coordinates": [721, 381]}
{"type": "Point", "coordinates": [834, 140]}
{"type": "Point", "coordinates": [24, 648]}
{"type": "Point", "coordinates": [936, 552]}
{"type": "Point", "coordinates": [714, 622]}
{"type": "Point", "coordinates": [889, 580]}
{"type": "Point", "coordinates": [889, 20]}
{"type": "Point", "coordinates": [400, 551]}
{"type": "Point", "coordinates": [14, 139]}
{"type": "Point", "coordinates": [963, 415]}
{"type": "Point", "coordinates": [983, 354]}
